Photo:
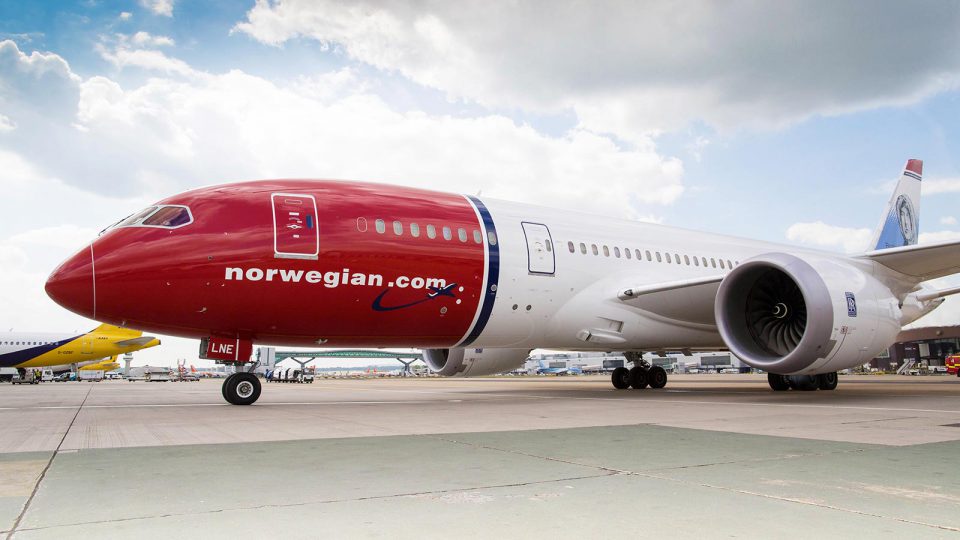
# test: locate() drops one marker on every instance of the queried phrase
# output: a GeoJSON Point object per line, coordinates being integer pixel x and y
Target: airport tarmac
{"type": "Point", "coordinates": [563, 457]}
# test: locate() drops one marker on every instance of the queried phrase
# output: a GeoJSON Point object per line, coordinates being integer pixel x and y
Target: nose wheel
{"type": "Point", "coordinates": [241, 388]}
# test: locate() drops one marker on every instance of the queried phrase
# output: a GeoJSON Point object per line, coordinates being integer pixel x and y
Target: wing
{"type": "Point", "coordinates": [923, 261]}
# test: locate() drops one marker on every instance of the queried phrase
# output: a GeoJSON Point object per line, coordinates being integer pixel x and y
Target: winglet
{"type": "Point", "coordinates": [900, 223]}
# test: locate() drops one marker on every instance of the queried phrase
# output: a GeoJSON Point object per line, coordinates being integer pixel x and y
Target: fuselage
{"type": "Point", "coordinates": [343, 264]}
{"type": "Point", "coordinates": [60, 351]}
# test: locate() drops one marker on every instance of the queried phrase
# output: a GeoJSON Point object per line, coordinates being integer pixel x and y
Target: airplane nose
{"type": "Point", "coordinates": [72, 284]}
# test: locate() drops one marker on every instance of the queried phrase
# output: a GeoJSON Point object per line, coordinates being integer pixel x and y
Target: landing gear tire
{"type": "Point", "coordinates": [657, 377]}
{"type": "Point", "coordinates": [638, 378]}
{"type": "Point", "coordinates": [805, 383]}
{"type": "Point", "coordinates": [241, 388]}
{"type": "Point", "coordinates": [621, 378]}
{"type": "Point", "coordinates": [226, 383]}
{"type": "Point", "coordinates": [778, 383]}
{"type": "Point", "coordinates": [828, 381]}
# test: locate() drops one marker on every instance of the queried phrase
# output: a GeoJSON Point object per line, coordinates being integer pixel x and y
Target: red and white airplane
{"type": "Point", "coordinates": [478, 283]}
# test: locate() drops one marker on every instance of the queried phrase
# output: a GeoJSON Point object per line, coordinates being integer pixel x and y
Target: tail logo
{"type": "Point", "coordinates": [908, 221]}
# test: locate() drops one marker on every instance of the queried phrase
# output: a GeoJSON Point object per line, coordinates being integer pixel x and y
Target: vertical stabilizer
{"type": "Point", "coordinates": [900, 224]}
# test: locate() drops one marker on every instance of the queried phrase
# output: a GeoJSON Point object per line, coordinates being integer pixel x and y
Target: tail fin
{"type": "Point", "coordinates": [900, 224]}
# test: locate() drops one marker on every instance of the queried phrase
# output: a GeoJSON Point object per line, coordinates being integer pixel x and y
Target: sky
{"type": "Point", "coordinates": [784, 121]}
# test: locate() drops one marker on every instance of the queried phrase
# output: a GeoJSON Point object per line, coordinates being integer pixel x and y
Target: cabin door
{"type": "Point", "coordinates": [540, 256]}
{"type": "Point", "coordinates": [296, 234]}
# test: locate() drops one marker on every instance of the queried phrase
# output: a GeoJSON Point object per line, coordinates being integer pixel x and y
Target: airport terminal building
{"type": "Point", "coordinates": [925, 346]}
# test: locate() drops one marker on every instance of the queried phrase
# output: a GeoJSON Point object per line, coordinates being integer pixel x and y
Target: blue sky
{"type": "Point", "coordinates": [790, 129]}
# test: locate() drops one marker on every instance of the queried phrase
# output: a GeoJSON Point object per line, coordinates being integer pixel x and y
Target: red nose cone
{"type": "Point", "coordinates": [71, 284]}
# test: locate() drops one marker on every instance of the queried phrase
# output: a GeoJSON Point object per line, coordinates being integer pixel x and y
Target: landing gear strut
{"type": "Point", "coordinates": [241, 388]}
{"type": "Point", "coordinates": [824, 381]}
{"type": "Point", "coordinates": [641, 375]}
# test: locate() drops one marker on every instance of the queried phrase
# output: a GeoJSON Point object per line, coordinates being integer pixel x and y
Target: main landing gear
{"type": "Point", "coordinates": [824, 381]}
{"type": "Point", "coordinates": [640, 376]}
{"type": "Point", "coordinates": [241, 388]}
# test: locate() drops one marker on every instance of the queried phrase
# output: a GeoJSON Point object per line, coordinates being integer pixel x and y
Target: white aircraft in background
{"type": "Point", "coordinates": [479, 283]}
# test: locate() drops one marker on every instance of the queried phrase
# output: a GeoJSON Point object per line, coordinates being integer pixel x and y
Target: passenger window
{"type": "Point", "coordinates": [606, 251]}
{"type": "Point", "coordinates": [676, 257]}
{"type": "Point", "coordinates": [593, 248]}
{"type": "Point", "coordinates": [713, 262]}
{"type": "Point", "coordinates": [431, 232]}
{"type": "Point", "coordinates": [447, 233]}
{"type": "Point", "coordinates": [583, 248]}
{"type": "Point", "coordinates": [570, 247]}
{"type": "Point", "coordinates": [362, 224]}
{"type": "Point", "coordinates": [704, 259]}
{"type": "Point", "coordinates": [658, 257]}
{"type": "Point", "coordinates": [648, 256]}
{"type": "Point", "coordinates": [686, 260]}
{"type": "Point", "coordinates": [626, 253]}
{"type": "Point", "coordinates": [721, 263]}
{"type": "Point", "coordinates": [477, 237]}
{"type": "Point", "coordinates": [398, 228]}
{"type": "Point", "coordinates": [414, 230]}
{"type": "Point", "coordinates": [616, 252]}
{"type": "Point", "coordinates": [730, 266]}
{"type": "Point", "coordinates": [696, 261]}
{"type": "Point", "coordinates": [462, 234]}
{"type": "Point", "coordinates": [549, 247]}
{"type": "Point", "coordinates": [668, 258]}
{"type": "Point", "coordinates": [381, 226]}
{"type": "Point", "coordinates": [492, 238]}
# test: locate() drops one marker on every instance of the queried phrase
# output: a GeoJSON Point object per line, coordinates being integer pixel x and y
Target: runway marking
{"type": "Point", "coordinates": [260, 404]}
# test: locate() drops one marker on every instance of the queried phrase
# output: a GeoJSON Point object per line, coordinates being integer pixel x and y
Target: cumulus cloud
{"type": "Point", "coordinates": [159, 7]}
{"type": "Point", "coordinates": [146, 39]}
{"type": "Point", "coordinates": [932, 186]}
{"type": "Point", "coordinates": [948, 220]}
{"type": "Point", "coordinates": [822, 235]}
{"type": "Point", "coordinates": [633, 68]}
{"type": "Point", "coordinates": [189, 127]}
{"type": "Point", "coordinates": [125, 15]}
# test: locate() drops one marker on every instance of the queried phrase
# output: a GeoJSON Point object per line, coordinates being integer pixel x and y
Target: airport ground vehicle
{"type": "Point", "coordinates": [477, 283]}
{"type": "Point", "coordinates": [952, 364]}
{"type": "Point", "coordinates": [26, 376]}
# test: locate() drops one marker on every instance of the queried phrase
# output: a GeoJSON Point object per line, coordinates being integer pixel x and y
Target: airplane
{"type": "Point", "coordinates": [544, 369]}
{"type": "Point", "coordinates": [478, 283]}
{"type": "Point", "coordinates": [59, 351]}
{"type": "Point", "coordinates": [107, 364]}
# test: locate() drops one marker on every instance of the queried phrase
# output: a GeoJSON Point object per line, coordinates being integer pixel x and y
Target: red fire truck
{"type": "Point", "coordinates": [953, 364]}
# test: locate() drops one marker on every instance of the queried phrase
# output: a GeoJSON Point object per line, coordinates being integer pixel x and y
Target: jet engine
{"type": "Point", "coordinates": [790, 315]}
{"type": "Point", "coordinates": [461, 362]}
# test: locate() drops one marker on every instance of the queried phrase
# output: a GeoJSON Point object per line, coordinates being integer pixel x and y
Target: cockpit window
{"type": "Point", "coordinates": [135, 219]}
{"type": "Point", "coordinates": [167, 217]}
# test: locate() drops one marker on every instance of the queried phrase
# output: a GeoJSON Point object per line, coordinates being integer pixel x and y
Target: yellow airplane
{"type": "Point", "coordinates": [107, 364]}
{"type": "Point", "coordinates": [24, 350]}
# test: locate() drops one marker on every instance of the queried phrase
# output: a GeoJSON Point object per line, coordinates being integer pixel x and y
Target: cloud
{"type": "Point", "coordinates": [159, 7]}
{"type": "Point", "coordinates": [932, 186]}
{"type": "Point", "coordinates": [6, 125]}
{"type": "Point", "coordinates": [146, 39]}
{"type": "Point", "coordinates": [125, 15]}
{"type": "Point", "coordinates": [643, 67]}
{"type": "Point", "coordinates": [186, 127]}
{"type": "Point", "coordinates": [820, 234]}
{"type": "Point", "coordinates": [938, 236]}
{"type": "Point", "coordinates": [948, 220]}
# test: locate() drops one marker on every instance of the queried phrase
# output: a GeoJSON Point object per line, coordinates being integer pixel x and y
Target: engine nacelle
{"type": "Point", "coordinates": [790, 315]}
{"type": "Point", "coordinates": [474, 362]}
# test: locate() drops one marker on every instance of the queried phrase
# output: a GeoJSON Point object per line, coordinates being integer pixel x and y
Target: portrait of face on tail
{"type": "Point", "coordinates": [906, 215]}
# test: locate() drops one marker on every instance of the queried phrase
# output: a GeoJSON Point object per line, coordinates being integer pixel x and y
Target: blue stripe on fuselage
{"type": "Point", "coordinates": [16, 358]}
{"type": "Point", "coordinates": [493, 273]}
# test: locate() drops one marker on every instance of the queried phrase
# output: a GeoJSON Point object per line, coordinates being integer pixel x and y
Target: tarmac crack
{"type": "Point", "coordinates": [43, 474]}
{"type": "Point", "coordinates": [316, 502]}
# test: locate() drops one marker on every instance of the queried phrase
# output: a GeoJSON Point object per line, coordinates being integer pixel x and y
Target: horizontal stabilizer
{"type": "Point", "coordinates": [924, 261]}
{"type": "Point", "coordinates": [143, 340]}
